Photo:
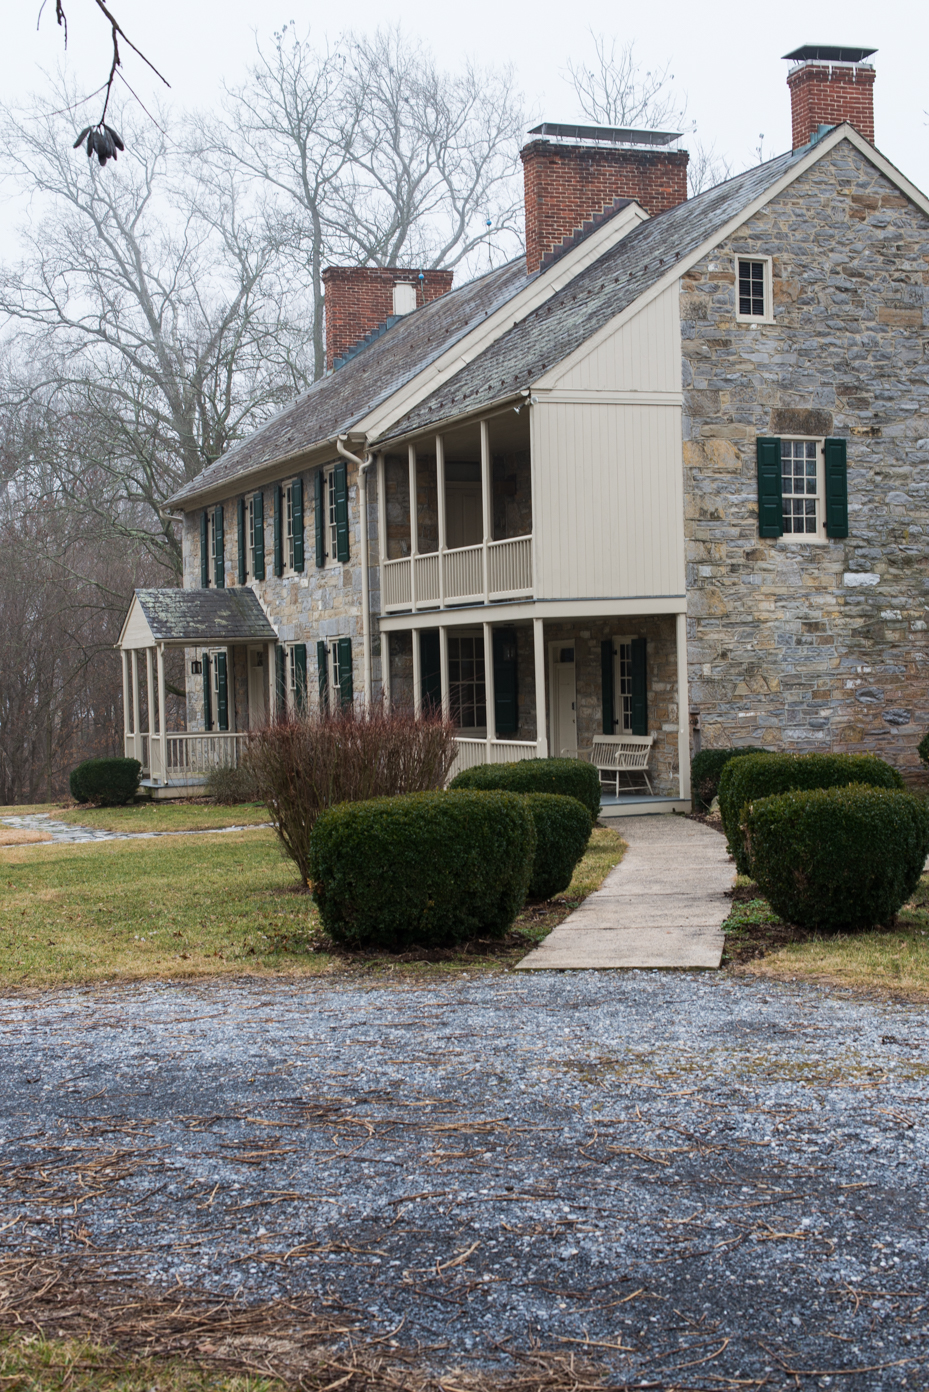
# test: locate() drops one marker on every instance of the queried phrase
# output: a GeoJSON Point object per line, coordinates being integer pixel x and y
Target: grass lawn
{"type": "Point", "coordinates": [190, 907]}
{"type": "Point", "coordinates": [166, 816]}
{"type": "Point", "coordinates": [32, 1363]}
{"type": "Point", "coordinates": [890, 962]}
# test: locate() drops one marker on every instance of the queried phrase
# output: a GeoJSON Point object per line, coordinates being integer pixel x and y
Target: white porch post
{"type": "Point", "coordinates": [440, 507]}
{"type": "Point", "coordinates": [417, 674]}
{"type": "Point", "coordinates": [127, 726]}
{"type": "Point", "coordinates": [385, 668]}
{"type": "Point", "coordinates": [271, 680]}
{"type": "Point", "coordinates": [136, 718]}
{"type": "Point", "coordinates": [150, 695]}
{"type": "Point", "coordinates": [381, 513]}
{"type": "Point", "coordinates": [414, 525]}
{"type": "Point", "coordinates": [162, 723]}
{"type": "Point", "coordinates": [541, 710]}
{"type": "Point", "coordinates": [683, 710]}
{"type": "Point", "coordinates": [489, 688]}
{"type": "Point", "coordinates": [486, 501]}
{"type": "Point", "coordinates": [443, 673]}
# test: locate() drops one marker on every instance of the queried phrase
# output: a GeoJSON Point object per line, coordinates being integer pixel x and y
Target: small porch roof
{"type": "Point", "coordinates": [195, 619]}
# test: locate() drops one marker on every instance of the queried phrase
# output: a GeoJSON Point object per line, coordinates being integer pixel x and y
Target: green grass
{"type": "Point", "coordinates": [32, 1363]}
{"type": "Point", "coordinates": [892, 962]}
{"type": "Point", "coordinates": [187, 907]}
{"type": "Point", "coordinates": [165, 816]}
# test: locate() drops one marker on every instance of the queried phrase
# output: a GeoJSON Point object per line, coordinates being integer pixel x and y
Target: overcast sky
{"type": "Point", "coordinates": [725, 56]}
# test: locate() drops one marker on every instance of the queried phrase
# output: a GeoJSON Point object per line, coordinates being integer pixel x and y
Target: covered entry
{"type": "Point", "coordinates": [214, 622]}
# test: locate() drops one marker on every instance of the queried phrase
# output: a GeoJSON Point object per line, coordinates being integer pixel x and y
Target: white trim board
{"type": "Point", "coordinates": [638, 607]}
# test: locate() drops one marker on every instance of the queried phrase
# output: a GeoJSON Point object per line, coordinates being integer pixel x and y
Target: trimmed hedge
{"type": "Point", "coordinates": [562, 830]}
{"type": "Point", "coordinates": [431, 869]}
{"type": "Point", "coordinates": [108, 782]}
{"type": "Point", "coordinates": [765, 775]}
{"type": "Point", "coordinates": [838, 857]}
{"type": "Point", "coordinates": [706, 770]}
{"type": "Point", "coordinates": [564, 777]}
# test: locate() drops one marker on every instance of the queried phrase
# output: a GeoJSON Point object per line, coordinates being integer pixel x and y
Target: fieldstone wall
{"type": "Point", "coordinates": [316, 603]}
{"type": "Point", "coordinates": [804, 645]}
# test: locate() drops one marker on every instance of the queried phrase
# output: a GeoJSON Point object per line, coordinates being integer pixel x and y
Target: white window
{"type": "Point", "coordinates": [289, 527]}
{"type": "Point", "coordinates": [251, 536]}
{"type": "Point", "coordinates": [624, 685]}
{"type": "Point", "coordinates": [404, 298]}
{"type": "Point", "coordinates": [802, 489]}
{"type": "Point", "coordinates": [753, 290]}
{"type": "Point", "coordinates": [466, 681]}
{"type": "Point", "coordinates": [211, 544]}
{"type": "Point", "coordinates": [331, 533]}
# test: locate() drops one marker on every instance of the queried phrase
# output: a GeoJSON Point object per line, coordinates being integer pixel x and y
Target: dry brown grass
{"type": "Point", "coordinates": [16, 836]}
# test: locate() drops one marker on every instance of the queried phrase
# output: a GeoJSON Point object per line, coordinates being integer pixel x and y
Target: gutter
{"type": "Point", "coordinates": [363, 467]}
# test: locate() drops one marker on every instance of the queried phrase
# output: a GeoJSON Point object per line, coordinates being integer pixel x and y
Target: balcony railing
{"type": "Point", "coordinates": [483, 751]}
{"type": "Point", "coordinates": [467, 575]}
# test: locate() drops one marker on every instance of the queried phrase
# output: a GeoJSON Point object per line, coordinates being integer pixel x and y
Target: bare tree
{"type": "Point", "coordinates": [365, 152]}
{"type": "Point", "coordinates": [152, 314]}
{"type": "Point", "coordinates": [615, 90]}
{"type": "Point", "coordinates": [706, 168]}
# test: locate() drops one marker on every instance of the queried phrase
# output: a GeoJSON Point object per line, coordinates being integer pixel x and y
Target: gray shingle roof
{"type": "Point", "coordinates": [543, 338]}
{"type": "Point", "coordinates": [553, 331]}
{"type": "Point", "coordinates": [202, 617]}
{"type": "Point", "coordinates": [334, 403]}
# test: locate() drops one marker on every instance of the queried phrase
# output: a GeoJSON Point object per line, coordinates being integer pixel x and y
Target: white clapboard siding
{"type": "Point", "coordinates": [642, 355]}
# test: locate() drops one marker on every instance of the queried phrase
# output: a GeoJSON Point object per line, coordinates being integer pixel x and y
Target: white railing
{"type": "Point", "coordinates": [510, 566]}
{"type": "Point", "coordinates": [396, 584]}
{"type": "Point", "coordinates": [427, 578]}
{"type": "Point", "coordinates": [193, 755]}
{"type": "Point", "coordinates": [509, 574]}
{"type": "Point", "coordinates": [482, 751]}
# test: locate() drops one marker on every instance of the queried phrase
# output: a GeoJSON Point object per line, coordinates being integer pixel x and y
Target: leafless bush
{"type": "Point", "coordinates": [305, 764]}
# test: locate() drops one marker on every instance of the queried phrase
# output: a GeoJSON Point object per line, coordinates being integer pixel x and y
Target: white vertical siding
{"type": "Point", "coordinates": [643, 355]}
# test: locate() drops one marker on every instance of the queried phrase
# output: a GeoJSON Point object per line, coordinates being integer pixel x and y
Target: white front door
{"type": "Point", "coordinates": [564, 700]}
{"type": "Point", "coordinates": [257, 688]}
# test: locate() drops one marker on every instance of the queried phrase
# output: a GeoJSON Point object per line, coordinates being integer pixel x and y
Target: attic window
{"type": "Point", "coordinates": [754, 290]}
{"type": "Point", "coordinates": [404, 298]}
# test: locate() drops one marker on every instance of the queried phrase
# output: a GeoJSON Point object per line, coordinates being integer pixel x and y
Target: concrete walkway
{"type": "Point", "coordinates": [661, 907]}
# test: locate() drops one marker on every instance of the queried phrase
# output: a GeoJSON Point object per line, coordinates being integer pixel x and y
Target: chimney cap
{"type": "Point", "coordinates": [610, 134]}
{"type": "Point", "coordinates": [829, 53]}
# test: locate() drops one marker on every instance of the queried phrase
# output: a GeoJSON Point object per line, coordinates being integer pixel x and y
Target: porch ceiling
{"type": "Point", "coordinates": [195, 618]}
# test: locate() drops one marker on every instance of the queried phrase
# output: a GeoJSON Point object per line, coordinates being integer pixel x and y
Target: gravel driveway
{"type": "Point", "coordinates": [699, 1181]}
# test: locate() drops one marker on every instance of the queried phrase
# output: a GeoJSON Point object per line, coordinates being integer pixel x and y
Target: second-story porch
{"type": "Point", "coordinates": [458, 509]}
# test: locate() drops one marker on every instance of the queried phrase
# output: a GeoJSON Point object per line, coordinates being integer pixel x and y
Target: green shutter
{"type": "Point", "coordinates": [607, 686]}
{"type": "Point", "coordinates": [280, 681]}
{"type": "Point", "coordinates": [346, 689]}
{"type": "Point", "coordinates": [318, 518]}
{"type": "Point", "coordinates": [299, 661]}
{"type": "Point", "coordinates": [639, 688]}
{"type": "Point", "coordinates": [322, 671]}
{"type": "Point", "coordinates": [430, 668]}
{"type": "Point", "coordinates": [506, 694]}
{"type": "Point", "coordinates": [296, 504]}
{"type": "Point", "coordinates": [836, 488]}
{"type": "Point", "coordinates": [204, 551]}
{"type": "Point", "coordinates": [258, 540]}
{"type": "Point", "coordinates": [207, 694]}
{"type": "Point", "coordinates": [222, 692]}
{"type": "Point", "coordinates": [219, 559]}
{"type": "Point", "coordinates": [770, 505]}
{"type": "Point", "coordinates": [240, 520]}
{"type": "Point", "coordinates": [278, 530]}
{"type": "Point", "coordinates": [340, 484]}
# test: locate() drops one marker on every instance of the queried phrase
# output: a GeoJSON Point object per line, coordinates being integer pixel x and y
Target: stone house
{"type": "Point", "coordinates": [664, 475]}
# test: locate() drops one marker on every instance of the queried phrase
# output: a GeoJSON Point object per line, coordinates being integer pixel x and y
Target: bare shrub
{"type": "Point", "coordinates": [304, 764]}
{"type": "Point", "coordinates": [231, 784]}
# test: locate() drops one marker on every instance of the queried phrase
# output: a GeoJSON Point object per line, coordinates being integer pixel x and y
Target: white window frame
{"type": "Point", "coordinates": [290, 678]}
{"type": "Point", "coordinates": [211, 546]}
{"type": "Point", "coordinates": [250, 549]}
{"type": "Point", "coordinates": [622, 701]}
{"type": "Point", "coordinates": [455, 636]}
{"type": "Point", "coordinates": [768, 316]}
{"type": "Point", "coordinates": [288, 528]}
{"type": "Point", "coordinates": [817, 538]}
{"type": "Point", "coordinates": [330, 527]}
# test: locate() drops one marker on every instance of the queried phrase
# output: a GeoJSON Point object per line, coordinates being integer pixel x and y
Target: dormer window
{"type": "Point", "coordinates": [404, 297]}
{"type": "Point", "coordinates": [754, 290]}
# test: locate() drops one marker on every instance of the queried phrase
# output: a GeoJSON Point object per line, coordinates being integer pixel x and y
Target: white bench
{"type": "Point", "coordinates": [612, 755]}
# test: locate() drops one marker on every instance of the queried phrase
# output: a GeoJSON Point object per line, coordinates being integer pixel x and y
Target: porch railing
{"type": "Point", "coordinates": [482, 751]}
{"type": "Point", "coordinates": [499, 570]}
{"type": "Point", "coordinates": [183, 757]}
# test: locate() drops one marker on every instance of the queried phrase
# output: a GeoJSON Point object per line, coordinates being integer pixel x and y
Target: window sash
{"type": "Point", "coordinates": [332, 534]}
{"type": "Point", "coordinates": [289, 524]}
{"type": "Point", "coordinates": [751, 289]}
{"type": "Point", "coordinates": [800, 487]}
{"type": "Point", "coordinates": [467, 682]}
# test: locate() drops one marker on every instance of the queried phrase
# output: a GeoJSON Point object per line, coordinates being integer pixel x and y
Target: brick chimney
{"type": "Point", "coordinates": [360, 299]}
{"type": "Point", "coordinates": [829, 85]}
{"type": "Point", "coordinates": [569, 185]}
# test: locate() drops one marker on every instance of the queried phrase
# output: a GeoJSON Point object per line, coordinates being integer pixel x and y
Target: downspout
{"type": "Point", "coordinates": [363, 467]}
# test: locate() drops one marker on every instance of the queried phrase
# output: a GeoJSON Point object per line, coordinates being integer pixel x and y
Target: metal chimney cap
{"type": "Point", "coordinates": [610, 134]}
{"type": "Point", "coordinates": [829, 53]}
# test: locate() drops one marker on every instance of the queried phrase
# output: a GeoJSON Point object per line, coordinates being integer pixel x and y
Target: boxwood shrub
{"type": "Point", "coordinates": [566, 777]}
{"type": "Point", "coordinates": [108, 782]}
{"type": "Point", "coordinates": [428, 869]}
{"type": "Point", "coordinates": [838, 857]}
{"type": "Point", "coordinates": [706, 769]}
{"type": "Point", "coordinates": [765, 775]}
{"type": "Point", "coordinates": [562, 830]}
